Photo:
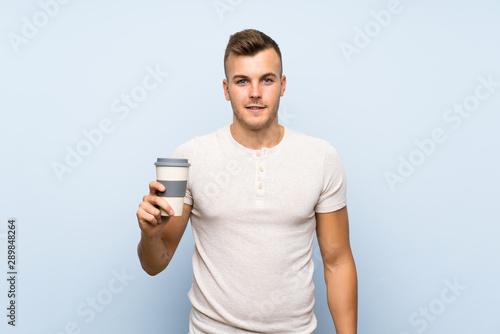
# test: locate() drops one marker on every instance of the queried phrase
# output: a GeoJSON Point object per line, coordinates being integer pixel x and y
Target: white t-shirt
{"type": "Point", "coordinates": [253, 221]}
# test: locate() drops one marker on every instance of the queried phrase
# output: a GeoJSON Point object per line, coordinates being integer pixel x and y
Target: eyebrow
{"type": "Point", "coordinates": [241, 76]}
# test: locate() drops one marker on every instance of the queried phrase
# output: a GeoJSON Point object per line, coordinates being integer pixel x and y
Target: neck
{"type": "Point", "coordinates": [257, 139]}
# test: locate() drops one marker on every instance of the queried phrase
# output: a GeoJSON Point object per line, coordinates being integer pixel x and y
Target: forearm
{"type": "Point", "coordinates": [153, 254]}
{"type": "Point", "coordinates": [342, 296]}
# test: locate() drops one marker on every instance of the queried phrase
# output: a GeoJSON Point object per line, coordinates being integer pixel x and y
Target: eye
{"type": "Point", "coordinates": [241, 82]}
{"type": "Point", "coordinates": [268, 80]}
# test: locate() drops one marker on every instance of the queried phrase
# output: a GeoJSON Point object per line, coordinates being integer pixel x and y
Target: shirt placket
{"type": "Point", "coordinates": [260, 177]}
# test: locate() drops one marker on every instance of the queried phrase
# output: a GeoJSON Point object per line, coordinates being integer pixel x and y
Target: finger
{"type": "Point", "coordinates": [150, 208]}
{"type": "Point", "coordinates": [159, 219]}
{"type": "Point", "coordinates": [145, 217]}
{"type": "Point", "coordinates": [151, 202]}
{"type": "Point", "coordinates": [162, 203]}
{"type": "Point", "coordinates": [155, 187]}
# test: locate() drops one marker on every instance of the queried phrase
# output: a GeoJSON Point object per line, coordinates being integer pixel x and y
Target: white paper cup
{"type": "Point", "coordinates": [173, 174]}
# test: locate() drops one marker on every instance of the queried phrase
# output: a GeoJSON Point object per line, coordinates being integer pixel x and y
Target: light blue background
{"type": "Point", "coordinates": [440, 224]}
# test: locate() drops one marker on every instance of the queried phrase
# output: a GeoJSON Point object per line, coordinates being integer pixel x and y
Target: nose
{"type": "Point", "coordinates": [255, 92]}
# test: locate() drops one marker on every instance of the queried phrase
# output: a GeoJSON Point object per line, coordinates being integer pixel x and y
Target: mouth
{"type": "Point", "coordinates": [255, 108]}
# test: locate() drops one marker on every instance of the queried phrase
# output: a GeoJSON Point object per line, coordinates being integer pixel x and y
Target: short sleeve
{"type": "Point", "coordinates": [185, 151]}
{"type": "Point", "coordinates": [333, 194]}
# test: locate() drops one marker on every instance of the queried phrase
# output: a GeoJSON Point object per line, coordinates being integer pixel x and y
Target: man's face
{"type": "Point", "coordinates": [254, 87]}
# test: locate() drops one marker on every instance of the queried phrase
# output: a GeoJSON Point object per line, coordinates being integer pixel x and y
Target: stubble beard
{"type": "Point", "coordinates": [258, 126]}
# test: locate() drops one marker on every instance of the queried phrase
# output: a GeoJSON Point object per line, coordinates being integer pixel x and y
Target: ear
{"type": "Point", "coordinates": [225, 86]}
{"type": "Point", "coordinates": [283, 85]}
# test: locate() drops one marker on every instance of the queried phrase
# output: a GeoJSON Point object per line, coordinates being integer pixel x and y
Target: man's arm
{"type": "Point", "coordinates": [160, 236]}
{"type": "Point", "coordinates": [332, 229]}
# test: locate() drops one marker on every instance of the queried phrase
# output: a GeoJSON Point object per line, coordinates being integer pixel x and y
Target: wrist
{"type": "Point", "coordinates": [150, 239]}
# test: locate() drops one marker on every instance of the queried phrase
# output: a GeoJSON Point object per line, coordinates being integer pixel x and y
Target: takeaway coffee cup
{"type": "Point", "coordinates": [173, 174]}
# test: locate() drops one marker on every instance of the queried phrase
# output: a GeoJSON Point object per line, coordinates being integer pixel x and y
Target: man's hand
{"type": "Point", "coordinates": [159, 240]}
{"type": "Point", "coordinates": [149, 217]}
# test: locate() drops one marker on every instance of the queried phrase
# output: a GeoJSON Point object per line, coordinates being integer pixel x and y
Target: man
{"type": "Point", "coordinates": [257, 192]}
